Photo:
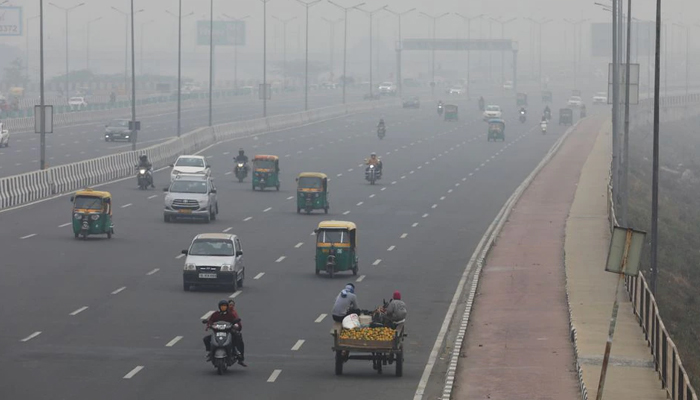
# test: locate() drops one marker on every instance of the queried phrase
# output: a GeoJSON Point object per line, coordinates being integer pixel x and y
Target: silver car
{"type": "Point", "coordinates": [191, 196]}
{"type": "Point", "coordinates": [214, 259]}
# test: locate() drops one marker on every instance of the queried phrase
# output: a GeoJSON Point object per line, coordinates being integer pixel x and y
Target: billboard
{"type": "Point", "coordinates": [10, 21]}
{"type": "Point", "coordinates": [459, 44]}
{"type": "Point", "coordinates": [642, 39]}
{"type": "Point", "coordinates": [226, 33]}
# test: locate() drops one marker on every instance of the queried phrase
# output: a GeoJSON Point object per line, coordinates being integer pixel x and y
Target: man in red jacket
{"type": "Point", "coordinates": [225, 313]}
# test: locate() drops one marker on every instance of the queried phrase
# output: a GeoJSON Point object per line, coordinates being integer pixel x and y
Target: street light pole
{"type": "Point", "coordinates": [235, 53]}
{"type": "Point", "coordinates": [468, 20]}
{"type": "Point", "coordinates": [88, 41]}
{"type": "Point", "coordinates": [284, 47]}
{"type": "Point", "coordinates": [211, 58]}
{"type": "Point", "coordinates": [503, 24]}
{"type": "Point", "coordinates": [141, 45]}
{"type": "Point", "coordinates": [42, 103]}
{"type": "Point", "coordinates": [126, 43]}
{"type": "Point", "coordinates": [655, 170]}
{"type": "Point", "coordinates": [306, 62]}
{"type": "Point", "coordinates": [539, 40]}
{"type": "Point", "coordinates": [399, 49]}
{"type": "Point", "coordinates": [26, 62]}
{"type": "Point", "coordinates": [66, 12]}
{"type": "Point", "coordinates": [179, 17]}
{"type": "Point", "coordinates": [370, 14]}
{"type": "Point", "coordinates": [265, 91]}
{"type": "Point", "coordinates": [345, 42]}
{"type": "Point", "coordinates": [434, 18]}
{"type": "Point", "coordinates": [331, 25]}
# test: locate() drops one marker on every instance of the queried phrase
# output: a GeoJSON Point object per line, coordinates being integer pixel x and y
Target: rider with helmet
{"type": "Point", "coordinates": [144, 163]}
{"type": "Point", "coordinates": [374, 160]}
{"type": "Point", "coordinates": [242, 158]}
{"type": "Point", "coordinates": [228, 314]}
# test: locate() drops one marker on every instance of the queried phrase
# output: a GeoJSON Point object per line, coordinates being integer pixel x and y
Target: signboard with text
{"type": "Point", "coordinates": [226, 33]}
{"type": "Point", "coordinates": [10, 21]}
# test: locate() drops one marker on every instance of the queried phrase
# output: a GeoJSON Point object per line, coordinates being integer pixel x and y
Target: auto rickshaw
{"type": "Point", "coordinates": [566, 116]}
{"type": "Point", "coordinates": [521, 100]}
{"type": "Point", "coordinates": [312, 192]}
{"type": "Point", "coordinates": [92, 213]}
{"type": "Point", "coordinates": [451, 112]}
{"type": "Point", "coordinates": [546, 96]}
{"type": "Point", "coordinates": [336, 247]}
{"type": "Point", "coordinates": [266, 172]}
{"type": "Point", "coordinates": [497, 130]}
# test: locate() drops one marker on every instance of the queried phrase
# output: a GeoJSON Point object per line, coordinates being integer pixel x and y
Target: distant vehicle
{"type": "Point", "coordinates": [4, 136]}
{"type": "Point", "coordinates": [190, 165]}
{"type": "Point", "coordinates": [191, 196]}
{"type": "Point", "coordinates": [214, 259]}
{"type": "Point", "coordinates": [77, 103]}
{"type": "Point", "coordinates": [387, 88]}
{"type": "Point", "coordinates": [508, 85]}
{"type": "Point", "coordinates": [455, 90]}
{"type": "Point", "coordinates": [117, 129]}
{"type": "Point", "coordinates": [492, 111]}
{"type": "Point", "coordinates": [328, 85]}
{"type": "Point", "coordinates": [411, 102]}
{"type": "Point", "coordinates": [600, 98]}
{"type": "Point", "coordinates": [575, 101]}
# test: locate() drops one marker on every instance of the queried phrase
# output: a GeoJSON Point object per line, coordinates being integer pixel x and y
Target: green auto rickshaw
{"type": "Point", "coordinates": [497, 130]}
{"type": "Point", "coordinates": [92, 213]}
{"type": "Point", "coordinates": [336, 247]}
{"type": "Point", "coordinates": [566, 116]}
{"type": "Point", "coordinates": [451, 112]}
{"type": "Point", "coordinates": [312, 192]}
{"type": "Point", "coordinates": [266, 171]}
{"type": "Point", "coordinates": [521, 100]}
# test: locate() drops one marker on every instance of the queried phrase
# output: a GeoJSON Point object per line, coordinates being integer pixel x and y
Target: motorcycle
{"type": "Point", "coordinates": [241, 171]}
{"type": "Point", "coordinates": [439, 110]}
{"type": "Point", "coordinates": [543, 126]}
{"type": "Point", "coordinates": [223, 351]}
{"type": "Point", "coordinates": [143, 177]}
{"type": "Point", "coordinates": [522, 117]}
{"type": "Point", "coordinates": [372, 174]}
{"type": "Point", "coordinates": [381, 132]}
{"type": "Point", "coordinates": [547, 115]}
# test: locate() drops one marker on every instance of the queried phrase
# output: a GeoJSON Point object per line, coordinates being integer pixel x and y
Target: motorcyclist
{"type": "Point", "coordinates": [381, 124]}
{"type": "Point", "coordinates": [547, 111]}
{"type": "Point", "coordinates": [241, 157]}
{"type": "Point", "coordinates": [481, 102]}
{"type": "Point", "coordinates": [523, 111]}
{"type": "Point", "coordinates": [543, 124]}
{"type": "Point", "coordinates": [222, 314]}
{"type": "Point", "coordinates": [144, 163]}
{"type": "Point", "coordinates": [374, 160]}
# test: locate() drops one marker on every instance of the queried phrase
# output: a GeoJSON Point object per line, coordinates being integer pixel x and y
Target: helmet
{"type": "Point", "coordinates": [143, 157]}
{"type": "Point", "coordinates": [223, 303]}
{"type": "Point", "coordinates": [373, 154]}
{"type": "Point", "coordinates": [240, 151]}
{"type": "Point", "coordinates": [350, 287]}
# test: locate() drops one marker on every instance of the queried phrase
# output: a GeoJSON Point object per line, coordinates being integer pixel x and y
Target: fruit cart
{"type": "Point", "coordinates": [380, 345]}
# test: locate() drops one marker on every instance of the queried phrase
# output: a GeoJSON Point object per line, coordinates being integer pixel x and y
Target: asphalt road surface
{"type": "Point", "coordinates": [109, 319]}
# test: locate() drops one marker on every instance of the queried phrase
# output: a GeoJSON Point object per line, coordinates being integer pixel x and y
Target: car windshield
{"type": "Point", "coordinates": [264, 164]}
{"type": "Point", "coordinates": [211, 247]}
{"type": "Point", "coordinates": [493, 108]}
{"type": "Point", "coordinates": [189, 162]}
{"type": "Point", "coordinates": [88, 202]}
{"type": "Point", "coordinates": [601, 94]}
{"type": "Point", "coordinates": [333, 236]}
{"type": "Point", "coordinates": [119, 123]}
{"type": "Point", "coordinates": [188, 187]}
{"type": "Point", "coordinates": [77, 99]}
{"type": "Point", "coordinates": [307, 182]}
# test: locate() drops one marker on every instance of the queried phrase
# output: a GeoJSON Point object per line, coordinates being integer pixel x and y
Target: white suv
{"type": "Point", "coordinates": [191, 196]}
{"type": "Point", "coordinates": [492, 111]}
{"type": "Point", "coordinates": [575, 101]}
{"type": "Point", "coordinates": [214, 259]}
{"type": "Point", "coordinates": [77, 103]}
{"type": "Point", "coordinates": [190, 165]}
{"type": "Point", "coordinates": [600, 98]}
{"type": "Point", "coordinates": [387, 88]}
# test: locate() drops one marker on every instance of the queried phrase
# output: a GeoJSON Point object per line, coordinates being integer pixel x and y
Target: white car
{"type": "Point", "coordinates": [387, 88]}
{"type": "Point", "coordinates": [508, 85]}
{"type": "Point", "coordinates": [456, 90]}
{"type": "Point", "coordinates": [492, 111]}
{"type": "Point", "coordinates": [214, 259]}
{"type": "Point", "coordinates": [4, 136]}
{"type": "Point", "coordinates": [77, 103]}
{"type": "Point", "coordinates": [575, 101]}
{"type": "Point", "coordinates": [600, 98]}
{"type": "Point", "coordinates": [190, 165]}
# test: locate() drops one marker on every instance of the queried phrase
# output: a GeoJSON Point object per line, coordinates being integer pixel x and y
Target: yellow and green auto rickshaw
{"type": "Point", "coordinates": [336, 247]}
{"type": "Point", "coordinates": [266, 170]}
{"type": "Point", "coordinates": [92, 213]}
{"type": "Point", "coordinates": [451, 112]}
{"type": "Point", "coordinates": [497, 130]}
{"type": "Point", "coordinates": [312, 192]}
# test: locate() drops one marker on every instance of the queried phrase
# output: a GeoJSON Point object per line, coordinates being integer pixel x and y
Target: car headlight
{"type": "Point", "coordinates": [227, 268]}
{"type": "Point", "coordinates": [142, 171]}
{"type": "Point", "coordinates": [77, 216]}
{"type": "Point", "coordinates": [190, 267]}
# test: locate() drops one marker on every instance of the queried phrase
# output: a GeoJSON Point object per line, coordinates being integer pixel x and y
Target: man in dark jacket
{"type": "Point", "coordinates": [222, 314]}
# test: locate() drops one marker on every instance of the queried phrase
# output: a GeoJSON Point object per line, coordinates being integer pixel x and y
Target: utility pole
{"type": "Point", "coordinates": [345, 42]}
{"type": "Point", "coordinates": [575, 25]}
{"type": "Point", "coordinates": [265, 91]}
{"type": "Point", "coordinates": [134, 135]}
{"type": "Point", "coordinates": [126, 44]}
{"type": "Point", "coordinates": [331, 25]}
{"type": "Point", "coordinates": [399, 49]}
{"type": "Point", "coordinates": [540, 23]}
{"type": "Point", "coordinates": [468, 20]}
{"type": "Point", "coordinates": [66, 11]}
{"type": "Point", "coordinates": [434, 18]}
{"type": "Point", "coordinates": [42, 102]}
{"type": "Point", "coordinates": [503, 24]}
{"type": "Point", "coordinates": [370, 14]}
{"type": "Point", "coordinates": [88, 41]}
{"type": "Point", "coordinates": [284, 47]}
{"type": "Point", "coordinates": [306, 57]}
{"type": "Point", "coordinates": [26, 62]}
{"type": "Point", "coordinates": [179, 17]}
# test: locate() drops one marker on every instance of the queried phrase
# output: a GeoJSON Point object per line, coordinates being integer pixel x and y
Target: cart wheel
{"type": "Point", "coordinates": [109, 234]}
{"type": "Point", "coordinates": [318, 272]}
{"type": "Point", "coordinates": [331, 272]}
{"type": "Point", "coordinates": [76, 235]}
{"type": "Point", "coordinates": [298, 210]}
{"type": "Point", "coordinates": [354, 270]}
{"type": "Point", "coordinates": [325, 210]}
{"type": "Point", "coordinates": [399, 364]}
{"type": "Point", "coordinates": [277, 187]}
{"type": "Point", "coordinates": [338, 362]}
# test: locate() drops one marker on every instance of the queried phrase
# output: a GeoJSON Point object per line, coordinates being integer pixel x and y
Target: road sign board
{"type": "Point", "coordinates": [634, 83]}
{"type": "Point", "coordinates": [226, 33]}
{"type": "Point", "coordinates": [11, 21]}
{"type": "Point", "coordinates": [625, 251]}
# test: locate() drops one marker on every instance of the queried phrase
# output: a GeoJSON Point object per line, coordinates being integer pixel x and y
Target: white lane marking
{"type": "Point", "coordinates": [456, 184]}
{"type": "Point", "coordinates": [391, 248]}
{"type": "Point", "coordinates": [78, 311]}
{"type": "Point", "coordinates": [476, 169]}
{"type": "Point", "coordinates": [339, 175]}
{"type": "Point", "coordinates": [258, 276]}
{"type": "Point", "coordinates": [172, 342]}
{"type": "Point", "coordinates": [383, 189]}
{"type": "Point", "coordinates": [433, 206]}
{"type": "Point", "coordinates": [126, 205]}
{"type": "Point", "coordinates": [247, 219]}
{"type": "Point", "coordinates": [119, 290]}
{"type": "Point", "coordinates": [228, 172]}
{"type": "Point", "coordinates": [420, 166]}
{"type": "Point", "coordinates": [471, 173]}
{"type": "Point", "coordinates": [179, 256]}
{"type": "Point", "coordinates": [299, 245]}
{"type": "Point", "coordinates": [403, 177]}
{"type": "Point", "coordinates": [290, 197]}
{"type": "Point", "coordinates": [360, 203]}
{"type": "Point", "coordinates": [153, 271]}
{"type": "Point", "coordinates": [133, 372]}
{"type": "Point", "coordinates": [226, 153]}
{"type": "Point", "coordinates": [415, 224]}
{"type": "Point", "coordinates": [411, 172]}
{"type": "Point", "coordinates": [370, 196]}
{"type": "Point", "coordinates": [280, 259]}
{"type": "Point", "coordinates": [28, 236]}
{"type": "Point", "coordinates": [425, 215]}
{"type": "Point", "coordinates": [449, 191]}
{"type": "Point", "coordinates": [360, 165]}
{"type": "Point", "coordinates": [350, 170]}
{"type": "Point", "coordinates": [464, 179]}
{"type": "Point", "coordinates": [267, 209]}
{"type": "Point", "coordinates": [442, 197]}
{"type": "Point", "coordinates": [320, 318]}
{"type": "Point", "coordinates": [298, 344]}
{"type": "Point", "coordinates": [393, 182]}
{"type": "Point", "coordinates": [274, 375]}
{"type": "Point", "coordinates": [207, 314]}
{"type": "Point", "coordinates": [32, 336]}
{"type": "Point", "coordinates": [152, 197]}
{"type": "Point", "coordinates": [377, 261]}
{"type": "Point", "coordinates": [403, 236]}
{"type": "Point", "coordinates": [346, 212]}
{"type": "Point", "coordinates": [313, 233]}
{"type": "Point", "coordinates": [361, 278]}
{"type": "Point", "coordinates": [228, 229]}
{"type": "Point", "coordinates": [233, 296]}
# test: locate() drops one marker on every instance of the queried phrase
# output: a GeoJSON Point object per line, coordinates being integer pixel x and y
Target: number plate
{"type": "Point", "coordinates": [207, 276]}
{"type": "Point", "coordinates": [185, 211]}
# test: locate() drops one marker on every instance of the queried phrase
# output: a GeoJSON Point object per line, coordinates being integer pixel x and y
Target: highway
{"type": "Point", "coordinates": [84, 141]}
{"type": "Point", "coordinates": [109, 319]}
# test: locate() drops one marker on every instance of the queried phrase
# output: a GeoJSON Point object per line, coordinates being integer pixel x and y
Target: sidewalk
{"type": "Point", "coordinates": [592, 290]}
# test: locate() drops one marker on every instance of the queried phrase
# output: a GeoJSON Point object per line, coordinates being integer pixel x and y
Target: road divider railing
{"type": "Point", "coordinates": [671, 108]}
{"type": "Point", "coordinates": [24, 188]}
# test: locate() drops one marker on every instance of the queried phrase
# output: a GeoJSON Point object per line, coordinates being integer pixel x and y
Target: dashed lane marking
{"type": "Point", "coordinates": [78, 311]}
{"type": "Point", "coordinates": [371, 195]}
{"type": "Point", "coordinates": [179, 256]}
{"type": "Point", "coordinates": [298, 345]}
{"type": "Point", "coordinates": [391, 248]}
{"type": "Point", "coordinates": [425, 215]}
{"type": "Point", "coordinates": [126, 205]}
{"type": "Point", "coordinates": [346, 212]}
{"type": "Point", "coordinates": [360, 278]}
{"type": "Point", "coordinates": [119, 290]}
{"type": "Point", "coordinates": [233, 296]}
{"type": "Point", "coordinates": [32, 336]}
{"type": "Point", "coordinates": [228, 172]}
{"type": "Point", "coordinates": [377, 261]}
{"type": "Point", "coordinates": [360, 203]}
{"type": "Point", "coordinates": [267, 209]}
{"type": "Point", "coordinates": [153, 271]}
{"type": "Point", "coordinates": [403, 236]}
{"type": "Point", "coordinates": [133, 372]}
{"type": "Point", "coordinates": [299, 245]}
{"type": "Point", "coordinates": [275, 374]}
{"type": "Point", "coordinates": [258, 276]}
{"type": "Point", "coordinates": [383, 189]}
{"type": "Point", "coordinates": [247, 219]}
{"type": "Point", "coordinates": [394, 182]}
{"type": "Point", "coordinates": [207, 314]}
{"type": "Point", "coordinates": [320, 318]}
{"type": "Point", "coordinates": [152, 197]}
{"type": "Point", "coordinates": [28, 236]}
{"type": "Point", "coordinates": [442, 197]}
{"type": "Point", "coordinates": [415, 224]}
{"type": "Point", "coordinates": [433, 206]}
{"type": "Point", "coordinates": [174, 341]}
{"type": "Point", "coordinates": [227, 229]}
{"type": "Point", "coordinates": [290, 197]}
{"type": "Point", "coordinates": [280, 259]}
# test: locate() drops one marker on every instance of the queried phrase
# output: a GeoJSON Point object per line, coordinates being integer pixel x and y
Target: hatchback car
{"type": "Point", "coordinates": [190, 165]}
{"type": "Point", "coordinates": [492, 111]}
{"type": "Point", "coordinates": [214, 259]}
